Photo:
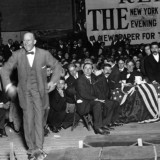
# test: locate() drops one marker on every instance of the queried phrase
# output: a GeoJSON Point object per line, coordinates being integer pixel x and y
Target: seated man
{"type": "Point", "coordinates": [87, 100]}
{"type": "Point", "coordinates": [70, 81]}
{"type": "Point", "coordinates": [58, 117]}
{"type": "Point", "coordinates": [70, 90]}
{"type": "Point", "coordinates": [111, 107]}
{"type": "Point", "coordinates": [130, 74]}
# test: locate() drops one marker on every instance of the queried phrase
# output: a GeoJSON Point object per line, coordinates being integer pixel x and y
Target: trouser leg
{"type": "Point", "coordinates": [38, 120]}
{"type": "Point", "coordinates": [28, 123]}
{"type": "Point", "coordinates": [97, 113]}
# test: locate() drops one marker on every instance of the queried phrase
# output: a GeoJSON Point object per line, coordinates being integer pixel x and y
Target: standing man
{"type": "Point", "coordinates": [31, 63]}
{"type": "Point", "coordinates": [147, 52]}
{"type": "Point", "coordinates": [152, 64]}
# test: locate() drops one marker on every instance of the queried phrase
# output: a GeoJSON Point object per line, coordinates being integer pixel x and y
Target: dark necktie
{"type": "Point", "coordinates": [29, 53]}
{"type": "Point", "coordinates": [89, 80]}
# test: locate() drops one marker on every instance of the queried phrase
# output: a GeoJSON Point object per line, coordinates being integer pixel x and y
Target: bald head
{"type": "Point", "coordinates": [29, 41]}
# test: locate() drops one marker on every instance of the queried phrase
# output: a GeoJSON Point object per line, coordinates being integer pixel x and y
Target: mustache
{"type": "Point", "coordinates": [154, 51]}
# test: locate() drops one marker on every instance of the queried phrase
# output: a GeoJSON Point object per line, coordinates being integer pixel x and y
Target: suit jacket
{"type": "Point", "coordinates": [85, 92]}
{"type": "Point", "coordinates": [103, 91]}
{"type": "Point", "coordinates": [7, 52]}
{"type": "Point", "coordinates": [70, 91]}
{"type": "Point", "coordinates": [57, 103]}
{"type": "Point", "coordinates": [42, 59]}
{"type": "Point", "coordinates": [152, 68]}
{"type": "Point", "coordinates": [114, 77]}
{"type": "Point", "coordinates": [131, 79]}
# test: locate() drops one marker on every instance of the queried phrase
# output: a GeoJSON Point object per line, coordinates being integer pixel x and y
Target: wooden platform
{"type": "Point", "coordinates": [70, 139]}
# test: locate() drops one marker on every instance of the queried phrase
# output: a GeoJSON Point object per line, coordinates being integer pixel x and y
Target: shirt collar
{"type": "Point", "coordinates": [113, 65]}
{"type": "Point", "coordinates": [88, 77]}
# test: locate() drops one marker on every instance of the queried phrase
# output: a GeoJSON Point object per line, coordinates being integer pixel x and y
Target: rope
{"type": "Point", "coordinates": [154, 148]}
{"type": "Point", "coordinates": [101, 150]}
{"type": "Point", "coordinates": [155, 152]}
{"type": "Point", "coordinates": [100, 153]}
{"type": "Point", "coordinates": [87, 145]}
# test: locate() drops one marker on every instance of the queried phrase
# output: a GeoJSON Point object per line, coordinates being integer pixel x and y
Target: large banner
{"type": "Point", "coordinates": [138, 20]}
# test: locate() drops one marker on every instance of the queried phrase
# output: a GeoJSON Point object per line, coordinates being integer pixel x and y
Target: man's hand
{"type": "Point", "coordinates": [12, 92]}
{"type": "Point", "coordinates": [154, 82]}
{"type": "Point", "coordinates": [6, 105]}
{"type": "Point", "coordinates": [100, 100]}
{"type": "Point", "coordinates": [51, 86]}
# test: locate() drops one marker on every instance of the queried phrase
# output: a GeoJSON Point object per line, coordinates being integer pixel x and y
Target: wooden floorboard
{"type": "Point", "coordinates": [67, 138]}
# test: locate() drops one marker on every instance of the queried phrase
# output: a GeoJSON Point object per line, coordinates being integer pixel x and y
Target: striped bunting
{"type": "Point", "coordinates": [150, 98]}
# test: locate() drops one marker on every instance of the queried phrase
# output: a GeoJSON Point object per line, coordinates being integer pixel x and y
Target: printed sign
{"type": "Point", "coordinates": [138, 20]}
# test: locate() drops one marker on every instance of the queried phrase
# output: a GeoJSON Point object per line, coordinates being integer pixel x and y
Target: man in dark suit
{"type": "Point", "coordinates": [111, 107]}
{"type": "Point", "coordinates": [91, 47]}
{"type": "Point", "coordinates": [58, 117]}
{"type": "Point", "coordinates": [71, 81]}
{"type": "Point", "coordinates": [147, 52]}
{"type": "Point", "coordinates": [152, 64]}
{"type": "Point", "coordinates": [115, 75]}
{"type": "Point", "coordinates": [31, 63]}
{"type": "Point", "coordinates": [57, 100]}
{"type": "Point", "coordinates": [87, 100]}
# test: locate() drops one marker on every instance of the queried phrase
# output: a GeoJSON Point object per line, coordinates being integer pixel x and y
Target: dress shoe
{"type": "Point", "coordinates": [11, 125]}
{"type": "Point", "coordinates": [111, 128]}
{"type": "Point", "coordinates": [54, 129]}
{"type": "Point", "coordinates": [30, 157]}
{"type": "Point", "coordinates": [39, 154]}
{"type": "Point", "coordinates": [46, 131]}
{"type": "Point", "coordinates": [3, 133]}
{"type": "Point", "coordinates": [116, 124]}
{"type": "Point", "coordinates": [107, 128]}
{"type": "Point", "coordinates": [30, 151]}
{"type": "Point", "coordinates": [101, 131]}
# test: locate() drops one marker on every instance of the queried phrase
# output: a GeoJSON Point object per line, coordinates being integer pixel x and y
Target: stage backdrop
{"type": "Point", "coordinates": [138, 20]}
{"type": "Point", "coordinates": [23, 15]}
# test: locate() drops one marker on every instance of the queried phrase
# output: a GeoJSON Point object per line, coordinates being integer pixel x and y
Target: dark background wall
{"type": "Point", "coordinates": [22, 15]}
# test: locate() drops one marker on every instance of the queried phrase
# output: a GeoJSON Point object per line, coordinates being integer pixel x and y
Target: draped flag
{"type": "Point", "coordinates": [150, 98]}
{"type": "Point", "coordinates": [149, 95]}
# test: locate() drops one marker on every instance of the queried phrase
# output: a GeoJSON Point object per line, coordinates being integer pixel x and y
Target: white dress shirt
{"type": "Point", "coordinates": [156, 57]}
{"type": "Point", "coordinates": [31, 56]}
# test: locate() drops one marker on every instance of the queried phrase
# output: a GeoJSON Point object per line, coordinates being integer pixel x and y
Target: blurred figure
{"type": "Point", "coordinates": [147, 52]}
{"type": "Point", "coordinates": [7, 50]}
{"type": "Point", "coordinates": [138, 65]}
{"type": "Point", "coordinates": [31, 63]}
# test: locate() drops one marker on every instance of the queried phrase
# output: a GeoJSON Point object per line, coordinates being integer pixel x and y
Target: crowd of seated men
{"type": "Point", "coordinates": [92, 71]}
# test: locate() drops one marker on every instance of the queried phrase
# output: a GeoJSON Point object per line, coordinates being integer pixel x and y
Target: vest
{"type": "Point", "coordinates": [31, 77]}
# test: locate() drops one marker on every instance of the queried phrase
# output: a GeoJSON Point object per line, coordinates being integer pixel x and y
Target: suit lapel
{"type": "Point", "coordinates": [37, 60]}
{"type": "Point", "coordinates": [24, 62]}
{"type": "Point", "coordinates": [153, 59]}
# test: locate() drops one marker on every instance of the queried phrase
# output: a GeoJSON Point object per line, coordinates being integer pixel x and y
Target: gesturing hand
{"type": "Point", "coordinates": [51, 86]}
{"type": "Point", "coordinates": [100, 100]}
{"type": "Point", "coordinates": [12, 92]}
